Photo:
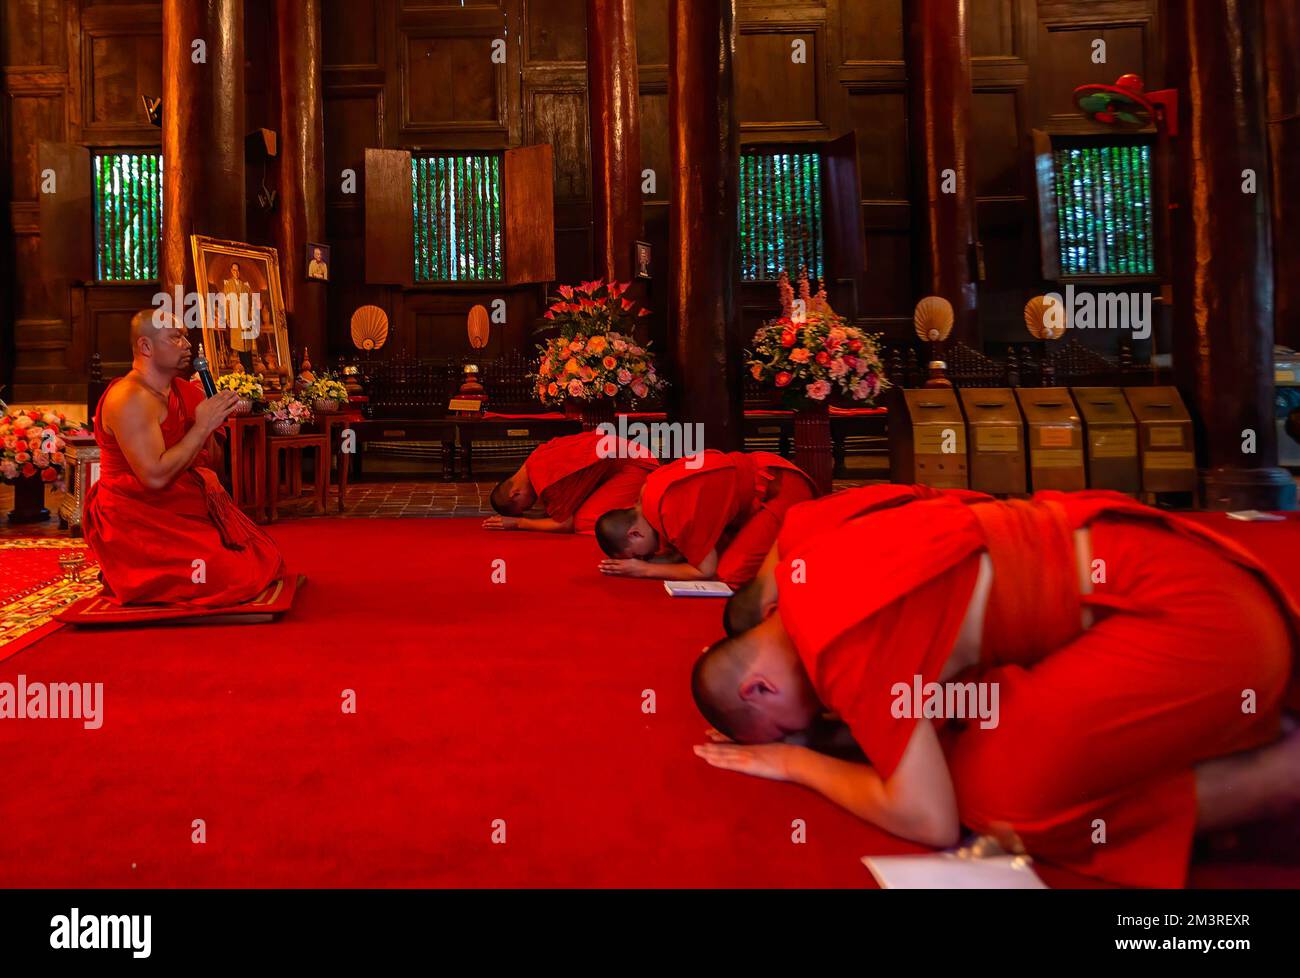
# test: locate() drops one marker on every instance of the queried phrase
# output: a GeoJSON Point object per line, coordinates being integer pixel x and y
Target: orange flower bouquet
{"type": "Point", "coordinates": [595, 356]}
{"type": "Point", "coordinates": [811, 352]}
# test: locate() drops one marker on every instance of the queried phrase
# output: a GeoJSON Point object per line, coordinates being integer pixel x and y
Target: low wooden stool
{"type": "Point", "coordinates": [294, 445]}
{"type": "Point", "coordinates": [246, 449]}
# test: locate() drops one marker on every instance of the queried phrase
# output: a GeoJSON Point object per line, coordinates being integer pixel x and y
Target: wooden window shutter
{"type": "Point", "coordinates": [530, 214]}
{"type": "Point", "coordinates": [390, 228]}
{"type": "Point", "coordinates": [66, 216]}
{"type": "Point", "coordinates": [1049, 235]}
{"type": "Point", "coordinates": [842, 214]}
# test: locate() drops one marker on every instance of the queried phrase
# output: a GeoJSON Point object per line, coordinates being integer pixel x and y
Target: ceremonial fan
{"type": "Point", "coordinates": [933, 321]}
{"type": "Point", "coordinates": [369, 328]}
{"type": "Point", "coordinates": [1045, 318]}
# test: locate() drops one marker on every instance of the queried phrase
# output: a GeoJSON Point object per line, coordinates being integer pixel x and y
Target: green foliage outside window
{"type": "Point", "coordinates": [457, 203]}
{"type": "Point", "coordinates": [1103, 207]}
{"type": "Point", "coordinates": [780, 215]}
{"type": "Point", "coordinates": [128, 215]}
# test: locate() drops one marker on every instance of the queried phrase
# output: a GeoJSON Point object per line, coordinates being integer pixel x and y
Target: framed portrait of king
{"type": "Point", "coordinates": [244, 325]}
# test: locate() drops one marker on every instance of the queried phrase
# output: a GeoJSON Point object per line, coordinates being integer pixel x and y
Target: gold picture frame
{"type": "Point", "coordinates": [242, 309]}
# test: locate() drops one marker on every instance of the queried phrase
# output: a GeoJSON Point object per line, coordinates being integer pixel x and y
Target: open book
{"type": "Point", "coordinates": [981, 865]}
{"type": "Point", "coordinates": [697, 589]}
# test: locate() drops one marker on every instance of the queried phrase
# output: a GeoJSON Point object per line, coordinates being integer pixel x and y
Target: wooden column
{"type": "Point", "coordinates": [203, 129]}
{"type": "Point", "coordinates": [1282, 38]}
{"type": "Point", "coordinates": [1223, 255]}
{"type": "Point", "coordinates": [704, 333]}
{"type": "Point", "coordinates": [943, 190]}
{"type": "Point", "coordinates": [613, 97]}
{"type": "Point", "coordinates": [300, 214]}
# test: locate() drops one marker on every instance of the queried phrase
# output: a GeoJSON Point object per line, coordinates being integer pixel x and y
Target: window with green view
{"type": "Point", "coordinates": [780, 215]}
{"type": "Point", "coordinates": [128, 215]}
{"type": "Point", "coordinates": [457, 202]}
{"type": "Point", "coordinates": [1103, 209]}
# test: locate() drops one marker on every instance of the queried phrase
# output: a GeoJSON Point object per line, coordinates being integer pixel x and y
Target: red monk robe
{"type": "Point", "coordinates": [571, 478]}
{"type": "Point", "coordinates": [147, 540]}
{"type": "Point", "coordinates": [1098, 728]}
{"type": "Point", "coordinates": [731, 502]}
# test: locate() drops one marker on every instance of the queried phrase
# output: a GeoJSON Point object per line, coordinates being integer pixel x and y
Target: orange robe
{"type": "Point", "coordinates": [571, 478]}
{"type": "Point", "coordinates": [1099, 729]}
{"type": "Point", "coordinates": [148, 540]}
{"type": "Point", "coordinates": [730, 502]}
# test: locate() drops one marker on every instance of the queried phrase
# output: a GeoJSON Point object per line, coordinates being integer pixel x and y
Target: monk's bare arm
{"type": "Point", "coordinates": [917, 802]}
{"type": "Point", "coordinates": [544, 525]}
{"type": "Point", "coordinates": [132, 419]}
{"type": "Point", "coordinates": [677, 570]}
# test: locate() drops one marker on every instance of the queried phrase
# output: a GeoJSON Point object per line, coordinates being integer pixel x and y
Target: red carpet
{"type": "Point", "coordinates": [476, 701]}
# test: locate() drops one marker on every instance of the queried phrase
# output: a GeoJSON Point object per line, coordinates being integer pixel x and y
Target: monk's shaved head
{"type": "Point", "coordinates": [612, 530]}
{"type": "Point", "coordinates": [716, 679]}
{"type": "Point", "coordinates": [143, 325]}
{"type": "Point", "coordinates": [513, 495]}
{"type": "Point", "coordinates": [753, 687]}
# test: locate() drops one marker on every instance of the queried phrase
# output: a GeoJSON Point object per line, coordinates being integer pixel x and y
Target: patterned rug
{"type": "Point", "coordinates": [33, 587]}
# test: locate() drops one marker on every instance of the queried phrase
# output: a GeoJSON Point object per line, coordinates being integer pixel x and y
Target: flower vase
{"type": "Point", "coordinates": [325, 405]}
{"type": "Point", "coordinates": [29, 500]}
{"type": "Point", "coordinates": [812, 445]}
{"type": "Point", "coordinates": [243, 407]}
{"type": "Point", "coordinates": [285, 428]}
{"type": "Point", "coordinates": [592, 414]}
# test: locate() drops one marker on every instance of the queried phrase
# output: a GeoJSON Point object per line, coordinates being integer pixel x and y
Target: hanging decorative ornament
{"type": "Point", "coordinates": [478, 327]}
{"type": "Point", "coordinates": [933, 319]}
{"type": "Point", "coordinates": [1045, 317]}
{"type": "Point", "coordinates": [369, 328]}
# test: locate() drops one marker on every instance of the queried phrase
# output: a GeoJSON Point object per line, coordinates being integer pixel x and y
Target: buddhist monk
{"type": "Point", "coordinates": [712, 516]}
{"type": "Point", "coordinates": [1080, 676]}
{"type": "Point", "coordinates": [163, 529]}
{"type": "Point", "coordinates": [576, 478]}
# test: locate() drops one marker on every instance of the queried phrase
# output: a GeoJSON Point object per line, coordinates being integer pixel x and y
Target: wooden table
{"type": "Point", "coordinates": [335, 426]}
{"type": "Point", "coordinates": [470, 430]}
{"type": "Point", "coordinates": [246, 453]}
{"type": "Point", "coordinates": [293, 445]}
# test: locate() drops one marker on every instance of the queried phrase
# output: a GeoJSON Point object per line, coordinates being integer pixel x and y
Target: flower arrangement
{"type": "Point", "coordinates": [595, 307]}
{"type": "Point", "coordinates": [247, 386]}
{"type": "Point", "coordinates": [586, 368]}
{"type": "Point", "coordinates": [595, 356]}
{"type": "Point", "coordinates": [811, 352]}
{"type": "Point", "coordinates": [288, 410]}
{"type": "Point", "coordinates": [33, 441]}
{"type": "Point", "coordinates": [326, 387]}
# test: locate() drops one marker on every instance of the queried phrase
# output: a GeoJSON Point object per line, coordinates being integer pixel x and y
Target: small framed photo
{"type": "Point", "coordinates": [643, 256]}
{"type": "Point", "coordinates": [318, 262]}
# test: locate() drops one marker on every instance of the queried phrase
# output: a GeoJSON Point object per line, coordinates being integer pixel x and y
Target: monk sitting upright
{"type": "Point", "coordinates": [162, 527]}
{"type": "Point", "coordinates": [1080, 676]}
{"type": "Point", "coordinates": [576, 478]}
{"type": "Point", "coordinates": [705, 517]}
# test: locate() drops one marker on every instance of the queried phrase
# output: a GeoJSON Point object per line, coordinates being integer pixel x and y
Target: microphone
{"type": "Point", "coordinates": [205, 375]}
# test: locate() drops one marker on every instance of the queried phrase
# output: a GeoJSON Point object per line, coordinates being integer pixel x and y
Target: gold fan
{"type": "Point", "coordinates": [933, 319]}
{"type": "Point", "coordinates": [369, 328]}
{"type": "Point", "coordinates": [478, 327]}
{"type": "Point", "coordinates": [1045, 317]}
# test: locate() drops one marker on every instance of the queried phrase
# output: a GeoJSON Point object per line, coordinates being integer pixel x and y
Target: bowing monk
{"type": "Point", "coordinates": [712, 516]}
{"type": "Point", "coordinates": [1082, 677]}
{"type": "Point", "coordinates": [576, 478]}
{"type": "Point", "coordinates": [162, 527]}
